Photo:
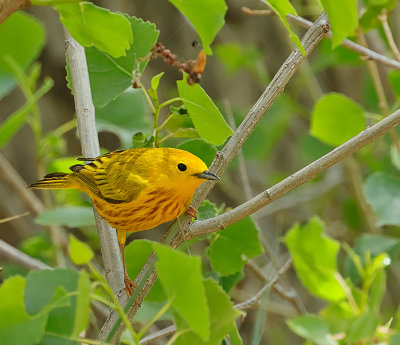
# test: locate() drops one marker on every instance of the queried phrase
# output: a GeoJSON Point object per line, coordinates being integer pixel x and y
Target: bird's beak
{"type": "Point", "coordinates": [206, 175]}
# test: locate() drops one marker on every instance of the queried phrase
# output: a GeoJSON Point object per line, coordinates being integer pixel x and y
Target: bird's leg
{"type": "Point", "coordinates": [191, 211]}
{"type": "Point", "coordinates": [129, 284]}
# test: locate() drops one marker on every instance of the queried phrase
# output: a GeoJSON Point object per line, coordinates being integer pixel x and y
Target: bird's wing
{"type": "Point", "coordinates": [114, 177]}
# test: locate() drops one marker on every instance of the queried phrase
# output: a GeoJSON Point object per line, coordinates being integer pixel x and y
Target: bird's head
{"type": "Point", "coordinates": [187, 170]}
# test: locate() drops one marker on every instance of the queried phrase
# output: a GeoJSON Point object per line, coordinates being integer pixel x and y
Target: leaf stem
{"type": "Point", "coordinates": [172, 100]}
{"type": "Point", "coordinates": [116, 305]}
{"type": "Point", "coordinates": [160, 313]}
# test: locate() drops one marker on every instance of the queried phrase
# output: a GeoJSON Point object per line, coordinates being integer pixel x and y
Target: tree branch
{"type": "Point", "coordinates": [148, 276]}
{"type": "Point", "coordinates": [90, 148]}
{"type": "Point", "coordinates": [10, 253]}
{"type": "Point", "coordinates": [370, 54]}
{"type": "Point", "coordinates": [302, 176]}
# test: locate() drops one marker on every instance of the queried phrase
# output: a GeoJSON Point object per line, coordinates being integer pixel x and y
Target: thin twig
{"type": "Point", "coordinates": [17, 216]}
{"type": "Point", "coordinates": [147, 275]}
{"type": "Point", "coordinates": [302, 176]}
{"type": "Point", "coordinates": [10, 176]}
{"type": "Point", "coordinates": [10, 253]}
{"type": "Point", "coordinates": [388, 33]}
{"type": "Point", "coordinates": [90, 148]}
{"type": "Point", "coordinates": [370, 54]}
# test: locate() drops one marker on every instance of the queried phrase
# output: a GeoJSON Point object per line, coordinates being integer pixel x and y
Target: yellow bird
{"type": "Point", "coordinates": [136, 189]}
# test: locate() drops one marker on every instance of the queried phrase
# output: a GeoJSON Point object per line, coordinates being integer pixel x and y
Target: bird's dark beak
{"type": "Point", "coordinates": [206, 175]}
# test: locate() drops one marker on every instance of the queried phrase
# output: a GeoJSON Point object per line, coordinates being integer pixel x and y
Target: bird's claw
{"type": "Point", "coordinates": [129, 285]}
{"type": "Point", "coordinates": [191, 211]}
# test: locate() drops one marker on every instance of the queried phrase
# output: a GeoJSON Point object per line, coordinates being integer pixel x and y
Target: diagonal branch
{"type": "Point", "coordinates": [148, 276]}
{"type": "Point", "coordinates": [302, 176]}
{"type": "Point", "coordinates": [368, 53]}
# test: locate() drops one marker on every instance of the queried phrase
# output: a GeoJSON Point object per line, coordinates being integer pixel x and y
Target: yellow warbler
{"type": "Point", "coordinates": [136, 189]}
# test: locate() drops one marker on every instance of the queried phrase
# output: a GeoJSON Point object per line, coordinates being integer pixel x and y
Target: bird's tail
{"type": "Point", "coordinates": [57, 180]}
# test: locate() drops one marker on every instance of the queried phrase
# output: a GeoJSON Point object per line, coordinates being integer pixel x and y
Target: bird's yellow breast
{"type": "Point", "coordinates": [151, 208]}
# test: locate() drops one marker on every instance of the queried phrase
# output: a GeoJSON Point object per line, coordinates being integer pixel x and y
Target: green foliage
{"type": "Point", "coordinates": [282, 8]}
{"type": "Point", "coordinates": [110, 76]}
{"type": "Point", "coordinates": [314, 258]}
{"type": "Point", "coordinates": [342, 17]}
{"type": "Point", "coordinates": [382, 191]}
{"type": "Point", "coordinates": [199, 148]}
{"type": "Point", "coordinates": [207, 17]}
{"type": "Point", "coordinates": [232, 247]}
{"type": "Point", "coordinates": [91, 25]}
{"type": "Point", "coordinates": [312, 328]}
{"type": "Point", "coordinates": [222, 317]}
{"type": "Point", "coordinates": [394, 80]}
{"type": "Point", "coordinates": [373, 9]}
{"type": "Point", "coordinates": [15, 121]}
{"type": "Point", "coordinates": [336, 118]}
{"type": "Point", "coordinates": [206, 117]}
{"type": "Point", "coordinates": [80, 253]}
{"type": "Point", "coordinates": [126, 114]}
{"type": "Point", "coordinates": [19, 30]}
{"type": "Point", "coordinates": [16, 325]}
{"type": "Point", "coordinates": [68, 216]}
{"type": "Point", "coordinates": [188, 299]}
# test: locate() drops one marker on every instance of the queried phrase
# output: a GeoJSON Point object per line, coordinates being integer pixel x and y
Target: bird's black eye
{"type": "Point", "coordinates": [182, 167]}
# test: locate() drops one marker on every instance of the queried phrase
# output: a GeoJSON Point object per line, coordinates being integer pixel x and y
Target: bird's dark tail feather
{"type": "Point", "coordinates": [53, 181]}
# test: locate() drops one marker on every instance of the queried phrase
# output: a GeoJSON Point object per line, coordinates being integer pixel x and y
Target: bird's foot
{"type": "Point", "coordinates": [191, 211]}
{"type": "Point", "coordinates": [129, 285]}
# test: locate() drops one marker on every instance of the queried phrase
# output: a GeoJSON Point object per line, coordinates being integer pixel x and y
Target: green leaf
{"type": "Point", "coordinates": [343, 18]}
{"type": "Point", "coordinates": [82, 304]}
{"type": "Point", "coordinates": [136, 254]}
{"type": "Point", "coordinates": [222, 313]}
{"type": "Point", "coordinates": [22, 38]}
{"type": "Point", "coordinates": [127, 114]}
{"type": "Point", "coordinates": [363, 327]}
{"type": "Point", "coordinates": [395, 338]}
{"type": "Point", "coordinates": [155, 81]}
{"type": "Point", "coordinates": [79, 252]}
{"type": "Point", "coordinates": [205, 115]}
{"type": "Point", "coordinates": [336, 118]}
{"type": "Point", "coordinates": [111, 76]}
{"type": "Point", "coordinates": [312, 328]}
{"type": "Point", "coordinates": [188, 299]}
{"type": "Point", "coordinates": [338, 315]}
{"type": "Point", "coordinates": [282, 8]}
{"type": "Point", "coordinates": [207, 17]}
{"type": "Point", "coordinates": [91, 25]}
{"type": "Point", "coordinates": [44, 288]}
{"type": "Point", "coordinates": [232, 247]}
{"type": "Point", "coordinates": [126, 338]}
{"type": "Point", "coordinates": [383, 194]}
{"type": "Point", "coordinates": [235, 337]}
{"type": "Point", "coordinates": [14, 122]}
{"type": "Point", "coordinates": [394, 80]}
{"type": "Point", "coordinates": [200, 148]}
{"type": "Point", "coordinates": [16, 326]}
{"type": "Point", "coordinates": [72, 217]}
{"type": "Point", "coordinates": [207, 210]}
{"type": "Point", "coordinates": [314, 259]}
{"type": "Point", "coordinates": [377, 290]}
{"type": "Point", "coordinates": [369, 18]}
{"type": "Point", "coordinates": [228, 282]}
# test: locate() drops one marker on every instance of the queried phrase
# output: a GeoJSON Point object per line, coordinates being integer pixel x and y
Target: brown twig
{"type": "Point", "coordinates": [17, 216]}
{"type": "Point", "coordinates": [388, 33]}
{"type": "Point", "coordinates": [7, 7]}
